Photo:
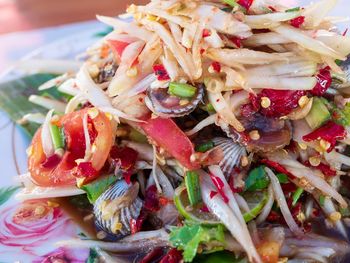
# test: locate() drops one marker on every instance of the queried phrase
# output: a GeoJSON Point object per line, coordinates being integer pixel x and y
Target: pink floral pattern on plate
{"type": "Point", "coordinates": [29, 230]}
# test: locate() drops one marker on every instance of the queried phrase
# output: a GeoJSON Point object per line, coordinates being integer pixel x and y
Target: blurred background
{"type": "Point", "coordinates": [26, 25]}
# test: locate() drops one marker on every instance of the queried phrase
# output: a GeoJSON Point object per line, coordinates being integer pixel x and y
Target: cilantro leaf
{"type": "Point", "coordinates": [190, 236]}
{"type": "Point", "coordinates": [257, 179]}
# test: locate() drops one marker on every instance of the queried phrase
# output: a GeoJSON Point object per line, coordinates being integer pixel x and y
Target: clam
{"type": "Point", "coordinates": [163, 104]}
{"type": "Point", "coordinates": [271, 133]}
{"type": "Point", "coordinates": [116, 207]}
{"type": "Point", "coordinates": [342, 82]}
{"type": "Point", "coordinates": [232, 152]}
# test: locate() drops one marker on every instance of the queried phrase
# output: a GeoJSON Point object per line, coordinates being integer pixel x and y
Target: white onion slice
{"type": "Point", "coordinates": [91, 90]}
{"type": "Point", "coordinates": [47, 103]}
{"type": "Point", "coordinates": [230, 57]}
{"type": "Point", "coordinates": [223, 211]}
{"type": "Point", "coordinates": [282, 203]}
{"type": "Point", "coordinates": [33, 117]}
{"type": "Point", "coordinates": [297, 36]}
{"type": "Point", "coordinates": [87, 138]}
{"type": "Point", "coordinates": [54, 82]}
{"type": "Point", "coordinates": [69, 87]}
{"type": "Point", "coordinates": [267, 208]}
{"type": "Point", "coordinates": [132, 29]}
{"type": "Point", "coordinates": [224, 111]}
{"type": "Point", "coordinates": [280, 83]}
{"type": "Point", "coordinates": [140, 241]}
{"type": "Point", "coordinates": [202, 124]}
{"type": "Point", "coordinates": [265, 20]}
{"type": "Point", "coordinates": [46, 139]}
{"type": "Point", "coordinates": [74, 102]}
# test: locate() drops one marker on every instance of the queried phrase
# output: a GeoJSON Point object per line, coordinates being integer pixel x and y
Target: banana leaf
{"type": "Point", "coordinates": [14, 98]}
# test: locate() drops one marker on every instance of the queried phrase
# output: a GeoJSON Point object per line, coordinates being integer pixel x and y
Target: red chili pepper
{"type": "Point", "coordinates": [216, 66]}
{"type": "Point", "coordinates": [288, 188]}
{"type": "Point", "coordinates": [298, 21]}
{"type": "Point", "coordinates": [136, 225]}
{"type": "Point", "coordinates": [160, 72]}
{"type": "Point", "coordinates": [279, 168]}
{"type": "Point", "coordinates": [153, 256]}
{"type": "Point", "coordinates": [245, 3]}
{"type": "Point", "coordinates": [204, 209]}
{"type": "Point", "coordinates": [232, 185]}
{"type": "Point", "coordinates": [324, 81]}
{"type": "Point", "coordinates": [51, 161]}
{"type": "Point", "coordinates": [273, 217]}
{"type": "Point", "coordinates": [282, 101]}
{"type": "Point", "coordinates": [236, 41]}
{"type": "Point", "coordinates": [330, 132]}
{"type": "Point", "coordinates": [126, 158]}
{"type": "Point", "coordinates": [272, 8]}
{"type": "Point", "coordinates": [85, 169]}
{"type": "Point", "coordinates": [152, 199]}
{"type": "Point", "coordinates": [345, 32]}
{"type": "Point", "coordinates": [212, 194]}
{"type": "Point", "coordinates": [324, 168]}
{"type": "Point", "coordinates": [173, 256]}
{"type": "Point", "coordinates": [220, 186]}
{"type": "Point", "coordinates": [206, 33]}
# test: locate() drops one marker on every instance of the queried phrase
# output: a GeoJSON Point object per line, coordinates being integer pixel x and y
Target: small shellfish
{"type": "Point", "coordinates": [116, 207]}
{"type": "Point", "coordinates": [232, 152]}
{"type": "Point", "coordinates": [166, 105]}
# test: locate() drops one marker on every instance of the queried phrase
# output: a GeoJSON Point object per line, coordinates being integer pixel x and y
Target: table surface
{"type": "Point", "coordinates": [20, 15]}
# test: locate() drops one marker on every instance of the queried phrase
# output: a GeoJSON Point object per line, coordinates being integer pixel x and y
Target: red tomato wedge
{"type": "Point", "coordinates": [65, 171]}
{"type": "Point", "coordinates": [166, 134]}
{"type": "Point", "coordinates": [118, 46]}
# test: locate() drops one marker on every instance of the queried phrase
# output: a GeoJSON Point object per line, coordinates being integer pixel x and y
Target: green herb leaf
{"type": "Point", "coordinates": [296, 195]}
{"type": "Point", "coordinates": [193, 187]}
{"type": "Point", "coordinates": [6, 193]}
{"type": "Point", "coordinates": [257, 179]}
{"type": "Point", "coordinates": [97, 187]}
{"type": "Point", "coordinates": [203, 147]}
{"type": "Point", "coordinates": [338, 62]}
{"type": "Point", "coordinates": [295, 9]}
{"type": "Point", "coordinates": [14, 98]}
{"type": "Point", "coordinates": [190, 236]}
{"type": "Point", "coordinates": [104, 32]}
{"type": "Point", "coordinates": [282, 178]}
{"type": "Point", "coordinates": [93, 256]}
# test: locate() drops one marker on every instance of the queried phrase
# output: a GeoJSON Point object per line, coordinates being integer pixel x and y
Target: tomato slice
{"type": "Point", "coordinates": [118, 46]}
{"type": "Point", "coordinates": [64, 173]}
{"type": "Point", "coordinates": [170, 137]}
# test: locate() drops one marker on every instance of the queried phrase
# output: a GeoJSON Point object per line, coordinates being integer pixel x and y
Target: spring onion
{"type": "Point", "coordinates": [56, 136]}
{"type": "Point", "coordinates": [204, 146]}
{"type": "Point", "coordinates": [232, 3]}
{"type": "Point", "coordinates": [295, 9]}
{"type": "Point", "coordinates": [296, 195]}
{"type": "Point", "coordinates": [193, 188]}
{"type": "Point", "coordinates": [182, 90]}
{"type": "Point", "coordinates": [322, 199]}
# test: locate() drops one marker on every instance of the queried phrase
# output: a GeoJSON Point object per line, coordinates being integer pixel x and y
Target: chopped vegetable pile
{"type": "Point", "coordinates": [204, 131]}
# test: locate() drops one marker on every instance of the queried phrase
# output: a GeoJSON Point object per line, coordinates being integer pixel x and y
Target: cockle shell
{"type": "Point", "coordinates": [233, 153]}
{"type": "Point", "coordinates": [116, 207]}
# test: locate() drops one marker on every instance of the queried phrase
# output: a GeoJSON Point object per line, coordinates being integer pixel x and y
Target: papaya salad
{"type": "Point", "coordinates": [205, 131]}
